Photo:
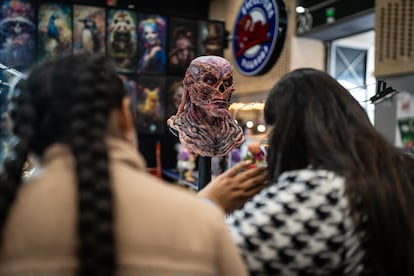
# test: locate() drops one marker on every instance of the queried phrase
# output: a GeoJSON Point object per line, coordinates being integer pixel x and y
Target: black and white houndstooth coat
{"type": "Point", "coordinates": [301, 225]}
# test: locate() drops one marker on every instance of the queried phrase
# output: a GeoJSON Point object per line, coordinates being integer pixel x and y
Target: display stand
{"type": "Point", "coordinates": [204, 172]}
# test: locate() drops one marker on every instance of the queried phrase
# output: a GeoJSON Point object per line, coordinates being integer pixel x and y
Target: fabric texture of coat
{"type": "Point", "coordinates": [159, 229]}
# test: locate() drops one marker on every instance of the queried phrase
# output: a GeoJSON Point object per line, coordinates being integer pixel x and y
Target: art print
{"type": "Point", "coordinates": [182, 44]}
{"type": "Point", "coordinates": [54, 30]}
{"type": "Point", "coordinates": [130, 85]}
{"type": "Point", "coordinates": [89, 28]}
{"type": "Point", "coordinates": [174, 93]}
{"type": "Point", "coordinates": [152, 44]}
{"type": "Point", "coordinates": [210, 39]}
{"type": "Point", "coordinates": [122, 39]}
{"type": "Point", "coordinates": [17, 33]}
{"type": "Point", "coordinates": [151, 105]}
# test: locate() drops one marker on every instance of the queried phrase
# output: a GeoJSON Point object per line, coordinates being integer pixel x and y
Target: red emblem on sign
{"type": "Point", "coordinates": [251, 33]}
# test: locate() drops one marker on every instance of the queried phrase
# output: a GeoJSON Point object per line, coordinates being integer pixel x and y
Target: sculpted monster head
{"type": "Point", "coordinates": [209, 82]}
{"type": "Point", "coordinates": [202, 121]}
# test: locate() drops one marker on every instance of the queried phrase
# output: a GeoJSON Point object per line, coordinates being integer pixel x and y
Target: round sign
{"type": "Point", "coordinates": [258, 36]}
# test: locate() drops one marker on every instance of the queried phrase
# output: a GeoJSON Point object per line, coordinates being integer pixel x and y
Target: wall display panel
{"type": "Point", "coordinates": [89, 27]}
{"type": "Point", "coordinates": [151, 105]}
{"type": "Point", "coordinates": [54, 28]}
{"type": "Point", "coordinates": [211, 38]}
{"type": "Point", "coordinates": [182, 44]}
{"type": "Point", "coordinates": [17, 33]}
{"type": "Point", "coordinates": [122, 39]}
{"type": "Point", "coordinates": [152, 42]}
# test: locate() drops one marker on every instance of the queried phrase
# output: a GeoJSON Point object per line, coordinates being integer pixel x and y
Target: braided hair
{"type": "Point", "coordinates": [69, 100]}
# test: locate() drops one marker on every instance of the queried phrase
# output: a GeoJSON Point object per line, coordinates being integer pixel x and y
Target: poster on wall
{"type": "Point", "coordinates": [151, 105]}
{"type": "Point", "coordinates": [130, 85]}
{"type": "Point", "coordinates": [152, 44]}
{"type": "Point", "coordinates": [17, 33]}
{"type": "Point", "coordinates": [121, 39]}
{"type": "Point", "coordinates": [175, 91]}
{"type": "Point", "coordinates": [210, 39]}
{"type": "Point", "coordinates": [182, 44]}
{"type": "Point", "coordinates": [54, 29]}
{"type": "Point", "coordinates": [88, 29]}
{"type": "Point", "coordinates": [5, 121]}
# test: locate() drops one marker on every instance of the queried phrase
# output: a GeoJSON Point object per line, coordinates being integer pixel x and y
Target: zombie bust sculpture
{"type": "Point", "coordinates": [202, 122]}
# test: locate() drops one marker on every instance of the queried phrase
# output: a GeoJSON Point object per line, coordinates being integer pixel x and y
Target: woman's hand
{"type": "Point", "coordinates": [234, 187]}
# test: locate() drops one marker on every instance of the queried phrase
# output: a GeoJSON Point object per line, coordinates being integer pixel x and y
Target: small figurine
{"type": "Point", "coordinates": [186, 164]}
{"type": "Point", "coordinates": [256, 153]}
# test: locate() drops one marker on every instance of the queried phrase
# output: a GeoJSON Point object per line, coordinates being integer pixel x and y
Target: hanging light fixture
{"type": "Point", "coordinates": [383, 92]}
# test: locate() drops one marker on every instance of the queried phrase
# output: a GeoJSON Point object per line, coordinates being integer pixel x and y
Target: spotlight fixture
{"type": "Point", "coordinates": [383, 93]}
{"type": "Point", "coordinates": [261, 128]}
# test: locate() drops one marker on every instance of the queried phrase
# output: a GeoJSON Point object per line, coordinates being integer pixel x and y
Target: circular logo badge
{"type": "Point", "coordinates": [258, 36]}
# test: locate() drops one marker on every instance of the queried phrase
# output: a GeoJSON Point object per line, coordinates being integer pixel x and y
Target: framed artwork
{"type": "Point", "coordinates": [152, 44]}
{"type": "Point", "coordinates": [150, 105]}
{"type": "Point", "coordinates": [121, 39]}
{"type": "Point", "coordinates": [89, 29]}
{"type": "Point", "coordinates": [112, 3]}
{"type": "Point", "coordinates": [17, 33]}
{"type": "Point", "coordinates": [182, 44]}
{"type": "Point", "coordinates": [210, 40]}
{"type": "Point", "coordinates": [5, 121]}
{"type": "Point", "coordinates": [130, 84]}
{"type": "Point", "coordinates": [175, 91]}
{"type": "Point", "coordinates": [54, 28]}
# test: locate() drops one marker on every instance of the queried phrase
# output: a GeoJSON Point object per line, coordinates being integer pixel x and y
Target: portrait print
{"type": "Point", "coordinates": [151, 105]}
{"type": "Point", "coordinates": [175, 91]}
{"type": "Point", "coordinates": [88, 29]}
{"type": "Point", "coordinates": [17, 33]}
{"type": "Point", "coordinates": [182, 44]}
{"type": "Point", "coordinates": [210, 39]}
{"type": "Point", "coordinates": [130, 85]}
{"type": "Point", "coordinates": [122, 39]}
{"type": "Point", "coordinates": [54, 30]}
{"type": "Point", "coordinates": [152, 44]}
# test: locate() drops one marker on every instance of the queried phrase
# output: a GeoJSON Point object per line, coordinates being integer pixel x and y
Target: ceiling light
{"type": "Point", "coordinates": [261, 128]}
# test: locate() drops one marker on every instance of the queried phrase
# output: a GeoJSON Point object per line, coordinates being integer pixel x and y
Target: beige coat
{"type": "Point", "coordinates": [160, 230]}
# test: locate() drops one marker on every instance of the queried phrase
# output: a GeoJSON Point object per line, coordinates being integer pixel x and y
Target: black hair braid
{"type": "Point", "coordinates": [87, 125]}
{"type": "Point", "coordinates": [23, 117]}
{"type": "Point", "coordinates": [103, 192]}
{"type": "Point", "coordinates": [69, 100]}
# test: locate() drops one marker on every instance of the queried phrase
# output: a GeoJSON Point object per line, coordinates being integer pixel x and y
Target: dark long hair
{"type": "Point", "coordinates": [316, 121]}
{"type": "Point", "coordinates": [69, 100]}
